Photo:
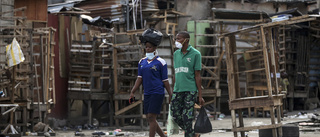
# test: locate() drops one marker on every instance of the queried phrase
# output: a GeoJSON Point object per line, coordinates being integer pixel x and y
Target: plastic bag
{"type": "Point", "coordinates": [151, 35]}
{"type": "Point", "coordinates": [172, 127]}
{"type": "Point", "coordinates": [14, 53]}
{"type": "Point", "coordinates": [203, 124]}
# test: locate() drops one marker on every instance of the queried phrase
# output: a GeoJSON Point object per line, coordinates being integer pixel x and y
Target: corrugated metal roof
{"type": "Point", "coordinates": [236, 14]}
{"type": "Point", "coordinates": [106, 9]}
{"type": "Point", "coordinates": [55, 8]}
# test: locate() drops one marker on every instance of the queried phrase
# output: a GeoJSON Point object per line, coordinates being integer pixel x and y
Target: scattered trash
{"type": "Point", "coordinates": [119, 130]}
{"type": "Point", "coordinates": [303, 116]}
{"type": "Point", "coordinates": [120, 134]}
{"type": "Point", "coordinates": [39, 127]}
{"type": "Point", "coordinates": [257, 123]}
{"type": "Point", "coordinates": [89, 127]}
{"type": "Point", "coordinates": [222, 115]}
{"type": "Point", "coordinates": [2, 94]}
{"type": "Point", "coordinates": [78, 134]}
{"type": "Point", "coordinates": [33, 134]}
{"type": "Point", "coordinates": [98, 133]}
{"type": "Point", "coordinates": [222, 131]}
{"type": "Point", "coordinates": [292, 116]}
{"type": "Point", "coordinates": [79, 128]}
{"type": "Point", "coordinates": [95, 122]}
{"type": "Point", "coordinates": [47, 134]}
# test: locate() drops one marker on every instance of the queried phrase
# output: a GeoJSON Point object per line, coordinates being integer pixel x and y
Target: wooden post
{"type": "Point", "coordinates": [115, 78]}
{"type": "Point", "coordinates": [278, 110]}
{"type": "Point", "coordinates": [32, 64]}
{"type": "Point", "coordinates": [51, 31]}
{"type": "Point", "coordinates": [318, 4]}
{"type": "Point", "coordinates": [267, 69]}
{"type": "Point", "coordinates": [266, 61]}
{"type": "Point", "coordinates": [232, 77]}
{"type": "Point", "coordinates": [91, 79]}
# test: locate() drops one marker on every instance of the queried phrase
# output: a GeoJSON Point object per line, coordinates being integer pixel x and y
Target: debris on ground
{"type": "Point", "coordinates": [39, 127]}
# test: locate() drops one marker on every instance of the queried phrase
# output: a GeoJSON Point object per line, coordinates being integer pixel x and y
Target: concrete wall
{"type": "Point", "coordinates": [270, 8]}
{"type": "Point", "coordinates": [197, 9]}
{"type": "Point", "coordinates": [266, 7]}
{"type": "Point", "coordinates": [201, 9]}
{"type": "Point", "coordinates": [6, 5]}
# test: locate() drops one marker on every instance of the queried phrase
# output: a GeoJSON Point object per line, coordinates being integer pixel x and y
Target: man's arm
{"type": "Point", "coordinates": [198, 83]}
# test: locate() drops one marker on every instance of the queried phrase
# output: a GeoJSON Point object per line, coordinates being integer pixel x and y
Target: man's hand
{"type": "Point", "coordinates": [170, 96]}
{"type": "Point", "coordinates": [201, 101]}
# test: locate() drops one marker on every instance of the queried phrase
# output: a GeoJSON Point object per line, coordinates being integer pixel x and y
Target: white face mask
{"type": "Point", "coordinates": [151, 55]}
{"type": "Point", "coordinates": [179, 45]}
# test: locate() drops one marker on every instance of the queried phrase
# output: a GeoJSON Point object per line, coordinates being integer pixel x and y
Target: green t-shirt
{"type": "Point", "coordinates": [185, 66]}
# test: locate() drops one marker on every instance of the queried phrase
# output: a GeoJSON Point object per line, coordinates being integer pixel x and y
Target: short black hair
{"type": "Point", "coordinates": [184, 34]}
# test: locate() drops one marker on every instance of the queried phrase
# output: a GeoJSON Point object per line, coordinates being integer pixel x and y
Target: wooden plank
{"type": "Point", "coordinates": [128, 108]}
{"type": "Point", "coordinates": [256, 101]}
{"type": "Point", "coordinates": [208, 46]}
{"type": "Point", "coordinates": [209, 67]}
{"type": "Point", "coordinates": [248, 103]}
{"type": "Point", "coordinates": [62, 46]}
{"type": "Point", "coordinates": [14, 36]}
{"type": "Point", "coordinates": [257, 127]}
{"type": "Point", "coordinates": [266, 60]}
{"type": "Point", "coordinates": [206, 21]}
{"type": "Point", "coordinates": [122, 44]}
{"type": "Point", "coordinates": [247, 51]}
{"type": "Point", "coordinates": [248, 71]}
{"type": "Point", "coordinates": [209, 71]}
{"type": "Point", "coordinates": [80, 95]}
{"type": "Point", "coordinates": [210, 57]}
{"type": "Point", "coordinates": [208, 35]}
{"type": "Point", "coordinates": [121, 96]}
{"type": "Point", "coordinates": [14, 10]}
{"type": "Point", "coordinates": [234, 122]}
{"type": "Point", "coordinates": [229, 42]}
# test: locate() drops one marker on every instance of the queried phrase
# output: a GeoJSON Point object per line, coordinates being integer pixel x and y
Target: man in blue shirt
{"type": "Point", "coordinates": [153, 75]}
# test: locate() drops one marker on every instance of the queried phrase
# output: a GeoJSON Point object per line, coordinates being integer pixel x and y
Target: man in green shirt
{"type": "Point", "coordinates": [187, 82]}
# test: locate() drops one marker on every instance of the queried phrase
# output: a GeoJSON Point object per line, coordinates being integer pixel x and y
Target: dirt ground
{"type": "Point", "coordinates": [221, 128]}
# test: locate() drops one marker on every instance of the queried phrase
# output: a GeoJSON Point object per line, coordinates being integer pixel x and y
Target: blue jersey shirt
{"type": "Point", "coordinates": [153, 74]}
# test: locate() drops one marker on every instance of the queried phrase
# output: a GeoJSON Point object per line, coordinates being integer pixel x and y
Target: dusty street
{"type": "Point", "coordinates": [221, 128]}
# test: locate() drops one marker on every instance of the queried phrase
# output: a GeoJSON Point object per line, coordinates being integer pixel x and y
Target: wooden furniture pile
{"type": "Point", "coordinates": [90, 74]}
{"type": "Point", "coordinates": [267, 47]}
{"type": "Point", "coordinates": [211, 64]}
{"type": "Point", "coordinates": [126, 56]}
{"type": "Point", "coordinates": [298, 55]}
{"type": "Point", "coordinates": [29, 86]}
{"type": "Point", "coordinates": [225, 21]}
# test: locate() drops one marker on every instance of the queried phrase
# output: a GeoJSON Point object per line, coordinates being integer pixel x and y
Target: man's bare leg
{"type": "Point", "coordinates": [154, 126]}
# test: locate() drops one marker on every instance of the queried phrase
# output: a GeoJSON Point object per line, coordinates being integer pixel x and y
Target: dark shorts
{"type": "Point", "coordinates": [152, 103]}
